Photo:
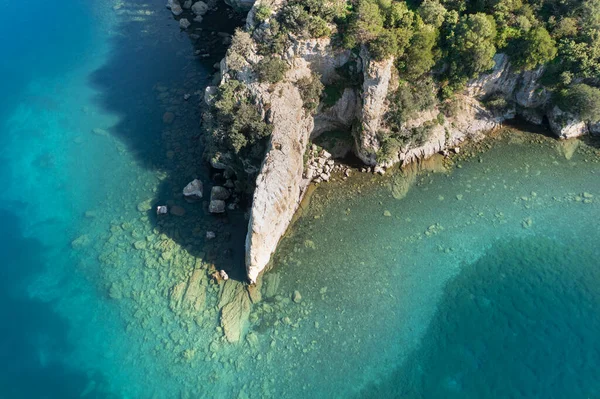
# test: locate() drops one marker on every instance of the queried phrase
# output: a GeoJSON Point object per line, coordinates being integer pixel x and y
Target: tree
{"type": "Point", "coordinates": [432, 12]}
{"type": "Point", "coordinates": [419, 57]}
{"type": "Point", "coordinates": [472, 46]}
{"type": "Point", "coordinates": [535, 48]}
{"type": "Point", "coordinates": [582, 100]}
{"type": "Point", "coordinates": [368, 23]}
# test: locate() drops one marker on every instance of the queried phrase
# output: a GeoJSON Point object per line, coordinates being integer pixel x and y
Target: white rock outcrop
{"type": "Point", "coordinates": [377, 75]}
{"type": "Point", "coordinates": [566, 125]}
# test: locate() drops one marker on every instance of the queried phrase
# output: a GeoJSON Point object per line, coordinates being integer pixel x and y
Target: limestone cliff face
{"type": "Point", "coordinates": [377, 76]}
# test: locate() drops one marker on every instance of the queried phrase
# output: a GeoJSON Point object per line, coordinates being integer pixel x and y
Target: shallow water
{"type": "Point", "coordinates": [471, 279]}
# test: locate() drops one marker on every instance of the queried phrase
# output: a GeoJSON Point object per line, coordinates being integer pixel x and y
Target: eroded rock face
{"type": "Point", "coordinates": [566, 125]}
{"type": "Point", "coordinates": [377, 75]}
{"type": "Point", "coordinates": [499, 80]}
{"type": "Point", "coordinates": [279, 184]}
{"type": "Point", "coordinates": [340, 116]}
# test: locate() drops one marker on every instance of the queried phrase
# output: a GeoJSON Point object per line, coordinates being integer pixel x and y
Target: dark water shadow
{"type": "Point", "coordinates": [33, 337]}
{"type": "Point", "coordinates": [145, 77]}
{"type": "Point", "coordinates": [521, 322]}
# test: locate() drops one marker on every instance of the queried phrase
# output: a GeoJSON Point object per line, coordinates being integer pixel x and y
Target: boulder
{"type": "Point", "coordinates": [200, 8]}
{"type": "Point", "coordinates": [566, 125]}
{"type": "Point", "coordinates": [216, 206]}
{"type": "Point", "coordinates": [168, 117]}
{"type": "Point", "coordinates": [187, 4]}
{"type": "Point", "coordinates": [219, 193]}
{"type": "Point", "coordinates": [184, 23]}
{"type": "Point", "coordinates": [162, 210]}
{"type": "Point", "coordinates": [176, 9]}
{"type": "Point", "coordinates": [210, 235]}
{"type": "Point", "coordinates": [194, 190]}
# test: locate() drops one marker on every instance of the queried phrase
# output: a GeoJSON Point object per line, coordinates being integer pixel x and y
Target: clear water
{"type": "Point", "coordinates": [473, 281]}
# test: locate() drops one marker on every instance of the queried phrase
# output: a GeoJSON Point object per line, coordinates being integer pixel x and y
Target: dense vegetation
{"type": "Point", "coordinates": [454, 39]}
{"type": "Point", "coordinates": [235, 124]}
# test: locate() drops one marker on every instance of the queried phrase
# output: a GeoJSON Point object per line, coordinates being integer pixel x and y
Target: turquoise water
{"type": "Point", "coordinates": [475, 279]}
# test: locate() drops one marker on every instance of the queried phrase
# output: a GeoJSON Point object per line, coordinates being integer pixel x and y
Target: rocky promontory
{"type": "Point", "coordinates": [308, 87]}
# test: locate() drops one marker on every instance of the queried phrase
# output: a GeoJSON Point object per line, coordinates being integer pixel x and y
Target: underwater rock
{"type": "Point", "coordinates": [161, 210]}
{"type": "Point", "coordinates": [296, 297]}
{"type": "Point", "coordinates": [187, 4]}
{"type": "Point", "coordinates": [210, 235]}
{"type": "Point", "coordinates": [99, 132]}
{"type": "Point", "coordinates": [189, 296]}
{"type": "Point", "coordinates": [176, 210]}
{"type": "Point", "coordinates": [80, 241]}
{"type": "Point", "coordinates": [254, 291]}
{"type": "Point", "coordinates": [195, 294]}
{"type": "Point", "coordinates": [219, 193]}
{"type": "Point", "coordinates": [145, 206]}
{"type": "Point", "coordinates": [200, 8]}
{"type": "Point", "coordinates": [236, 310]}
{"type": "Point", "coordinates": [194, 190]}
{"type": "Point", "coordinates": [184, 23]}
{"type": "Point", "coordinates": [168, 117]}
{"type": "Point", "coordinates": [216, 206]}
{"type": "Point", "coordinates": [176, 9]}
{"type": "Point", "coordinates": [176, 296]}
{"type": "Point", "coordinates": [223, 275]}
{"type": "Point", "coordinates": [271, 282]}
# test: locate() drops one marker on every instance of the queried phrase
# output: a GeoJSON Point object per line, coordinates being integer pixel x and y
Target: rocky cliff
{"type": "Point", "coordinates": [282, 181]}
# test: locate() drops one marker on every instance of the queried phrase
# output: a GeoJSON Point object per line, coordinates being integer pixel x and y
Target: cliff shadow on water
{"type": "Point", "coordinates": [156, 91]}
{"type": "Point", "coordinates": [35, 338]}
{"type": "Point", "coordinates": [522, 321]}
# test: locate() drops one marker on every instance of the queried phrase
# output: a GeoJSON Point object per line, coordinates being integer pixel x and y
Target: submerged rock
{"type": "Point", "coordinates": [168, 117]}
{"type": "Point", "coordinates": [565, 125]}
{"type": "Point", "coordinates": [184, 23]}
{"type": "Point", "coordinates": [161, 210]}
{"type": "Point", "coordinates": [190, 295]}
{"type": "Point", "coordinates": [216, 206]}
{"type": "Point", "coordinates": [219, 193]}
{"type": "Point", "coordinates": [200, 8]}
{"type": "Point", "coordinates": [177, 210]}
{"type": "Point", "coordinates": [194, 190]}
{"type": "Point", "coordinates": [235, 310]}
{"type": "Point", "coordinates": [176, 9]}
{"type": "Point", "coordinates": [296, 297]}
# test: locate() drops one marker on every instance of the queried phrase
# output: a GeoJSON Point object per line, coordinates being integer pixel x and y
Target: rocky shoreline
{"type": "Point", "coordinates": [288, 167]}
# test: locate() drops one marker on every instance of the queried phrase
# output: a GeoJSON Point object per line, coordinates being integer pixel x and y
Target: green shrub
{"type": "Point", "coordinates": [582, 100]}
{"type": "Point", "coordinates": [263, 12]}
{"type": "Point", "coordinates": [271, 69]}
{"type": "Point", "coordinates": [310, 91]}
{"type": "Point", "coordinates": [496, 103]}
{"type": "Point", "coordinates": [239, 125]}
{"type": "Point", "coordinates": [407, 101]}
